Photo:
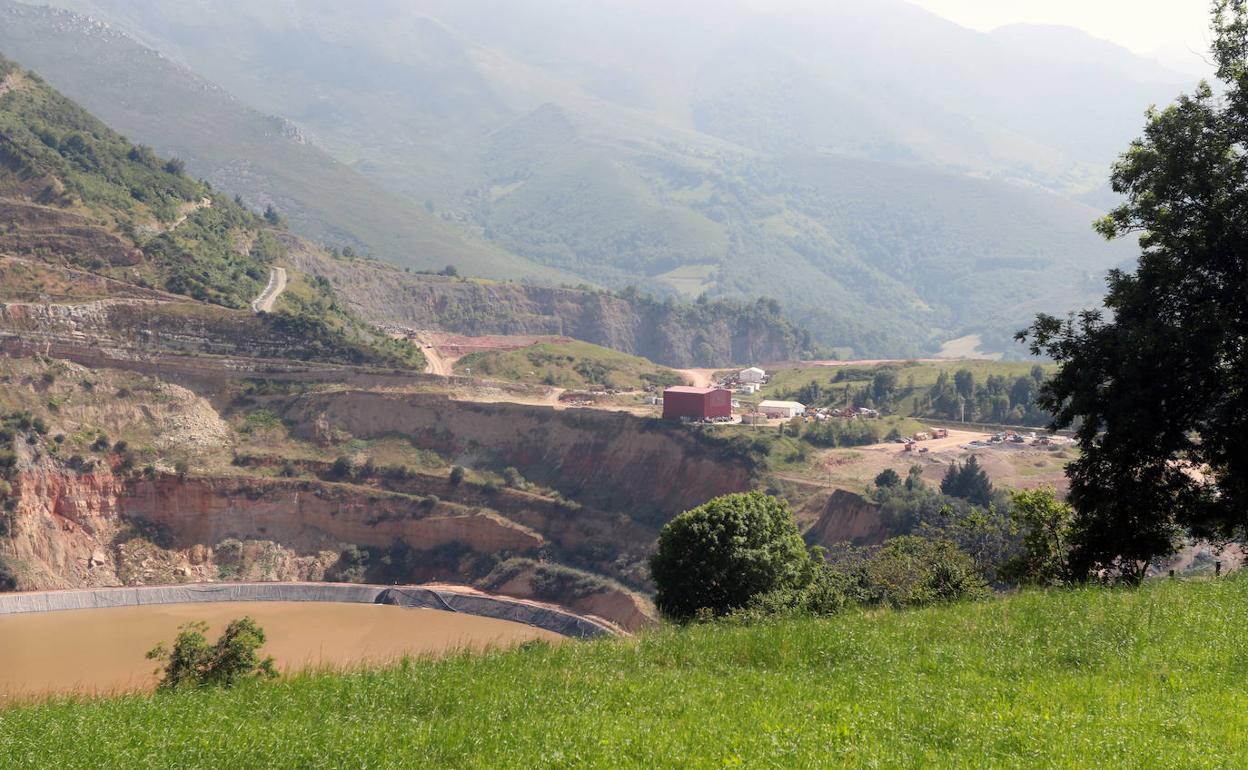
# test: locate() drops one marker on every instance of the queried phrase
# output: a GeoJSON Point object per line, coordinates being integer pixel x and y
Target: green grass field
{"type": "Point", "coordinates": [1086, 678]}
{"type": "Point", "coordinates": [571, 364]}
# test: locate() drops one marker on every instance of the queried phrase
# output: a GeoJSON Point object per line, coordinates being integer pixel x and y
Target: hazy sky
{"type": "Point", "coordinates": [1167, 29]}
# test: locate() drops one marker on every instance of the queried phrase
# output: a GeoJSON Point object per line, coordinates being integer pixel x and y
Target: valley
{"type": "Point", "coordinates": [880, 232]}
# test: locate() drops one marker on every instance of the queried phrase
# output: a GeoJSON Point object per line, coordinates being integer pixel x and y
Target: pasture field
{"type": "Point", "coordinates": [1090, 677]}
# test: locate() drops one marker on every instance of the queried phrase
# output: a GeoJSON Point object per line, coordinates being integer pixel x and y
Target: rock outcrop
{"type": "Point", "coordinates": [670, 334]}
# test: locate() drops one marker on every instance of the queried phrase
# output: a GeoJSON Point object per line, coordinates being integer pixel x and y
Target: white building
{"type": "Point", "coordinates": [784, 409]}
{"type": "Point", "coordinates": [751, 375]}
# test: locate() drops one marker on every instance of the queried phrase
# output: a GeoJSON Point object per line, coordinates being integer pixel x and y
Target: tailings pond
{"type": "Point", "coordinates": [103, 651]}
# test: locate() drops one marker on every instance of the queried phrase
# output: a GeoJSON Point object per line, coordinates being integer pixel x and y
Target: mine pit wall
{"type": "Point", "coordinates": [208, 374]}
{"type": "Point", "coordinates": [646, 468]}
{"type": "Point", "coordinates": [571, 526]}
{"type": "Point", "coordinates": [63, 526]}
{"type": "Point", "coordinates": [847, 517]}
{"type": "Point", "coordinates": [544, 617]}
{"type": "Point", "coordinates": [309, 516]}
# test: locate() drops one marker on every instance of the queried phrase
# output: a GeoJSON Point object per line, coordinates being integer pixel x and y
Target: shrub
{"type": "Point", "coordinates": [888, 479]}
{"type": "Point", "coordinates": [913, 571]}
{"type": "Point", "coordinates": [717, 557]}
{"type": "Point", "coordinates": [342, 467]}
{"type": "Point", "coordinates": [457, 475]}
{"type": "Point", "coordinates": [194, 663]}
{"type": "Point", "coordinates": [513, 479]}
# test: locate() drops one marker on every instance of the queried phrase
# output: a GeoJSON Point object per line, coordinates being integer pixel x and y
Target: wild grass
{"type": "Point", "coordinates": [1085, 678]}
{"type": "Point", "coordinates": [571, 364]}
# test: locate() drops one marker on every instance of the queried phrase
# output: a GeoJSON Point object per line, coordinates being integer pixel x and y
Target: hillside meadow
{"type": "Point", "coordinates": [1084, 678]}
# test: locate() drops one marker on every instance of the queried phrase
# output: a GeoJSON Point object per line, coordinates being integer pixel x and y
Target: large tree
{"type": "Point", "coordinates": [1155, 382]}
{"type": "Point", "coordinates": [720, 555]}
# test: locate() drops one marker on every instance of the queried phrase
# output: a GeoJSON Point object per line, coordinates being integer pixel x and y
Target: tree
{"type": "Point", "coordinates": [888, 478]}
{"type": "Point", "coordinates": [272, 217]}
{"type": "Point", "coordinates": [967, 481]}
{"type": "Point", "coordinates": [1157, 381]}
{"type": "Point", "coordinates": [715, 558]}
{"type": "Point", "coordinates": [964, 381]}
{"type": "Point", "coordinates": [1046, 523]}
{"type": "Point", "coordinates": [884, 386]}
{"type": "Point", "coordinates": [195, 663]}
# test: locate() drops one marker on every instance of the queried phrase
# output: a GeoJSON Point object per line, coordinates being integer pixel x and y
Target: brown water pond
{"type": "Point", "coordinates": [102, 651]}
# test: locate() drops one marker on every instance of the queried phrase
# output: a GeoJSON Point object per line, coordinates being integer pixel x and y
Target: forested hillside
{"type": "Point", "coordinates": [264, 158]}
{"type": "Point", "coordinates": [890, 203]}
{"type": "Point", "coordinates": [79, 199]}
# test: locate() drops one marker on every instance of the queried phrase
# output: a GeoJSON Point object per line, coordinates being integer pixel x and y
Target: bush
{"type": "Point", "coordinates": [888, 479]}
{"type": "Point", "coordinates": [457, 475]}
{"type": "Point", "coordinates": [913, 571]}
{"type": "Point", "coordinates": [193, 663]}
{"type": "Point", "coordinates": [342, 468]}
{"type": "Point", "coordinates": [717, 557]}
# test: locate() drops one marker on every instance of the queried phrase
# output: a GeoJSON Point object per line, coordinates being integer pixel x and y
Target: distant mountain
{"type": "Point", "coordinates": [894, 179]}
{"type": "Point", "coordinates": [264, 158]}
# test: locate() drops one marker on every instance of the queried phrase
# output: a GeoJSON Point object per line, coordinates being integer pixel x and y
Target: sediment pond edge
{"type": "Point", "coordinates": [545, 618]}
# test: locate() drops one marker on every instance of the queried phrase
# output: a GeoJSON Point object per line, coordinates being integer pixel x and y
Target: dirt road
{"type": "Point", "coordinates": [277, 285]}
{"type": "Point", "coordinates": [435, 362]}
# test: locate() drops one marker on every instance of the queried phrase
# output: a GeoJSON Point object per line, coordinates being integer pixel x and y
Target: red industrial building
{"type": "Point", "coordinates": [696, 403]}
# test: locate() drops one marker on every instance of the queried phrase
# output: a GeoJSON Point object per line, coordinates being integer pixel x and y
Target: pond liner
{"type": "Point", "coordinates": [538, 616]}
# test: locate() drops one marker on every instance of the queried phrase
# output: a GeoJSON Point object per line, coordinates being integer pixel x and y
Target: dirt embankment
{"type": "Point", "coordinates": [311, 516]}
{"type": "Point", "coordinates": [847, 517]}
{"type": "Point", "coordinates": [612, 460]}
{"type": "Point", "coordinates": [571, 526]}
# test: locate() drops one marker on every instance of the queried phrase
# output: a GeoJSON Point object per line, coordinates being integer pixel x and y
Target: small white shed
{"type": "Point", "coordinates": [751, 375]}
{"type": "Point", "coordinates": [783, 409]}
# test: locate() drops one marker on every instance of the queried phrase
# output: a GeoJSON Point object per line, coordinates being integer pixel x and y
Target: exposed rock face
{"type": "Point", "coordinates": [151, 325]}
{"type": "Point", "coordinates": [673, 335]}
{"type": "Point", "coordinates": [847, 517]}
{"type": "Point", "coordinates": [647, 468]}
{"type": "Point", "coordinates": [310, 517]}
{"type": "Point", "coordinates": [64, 525]}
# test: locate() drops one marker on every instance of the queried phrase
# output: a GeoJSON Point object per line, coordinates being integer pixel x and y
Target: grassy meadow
{"type": "Point", "coordinates": [571, 364]}
{"type": "Point", "coordinates": [1071, 679]}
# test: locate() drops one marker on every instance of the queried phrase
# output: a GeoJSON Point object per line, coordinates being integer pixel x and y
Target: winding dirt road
{"type": "Point", "coordinates": [277, 285]}
{"type": "Point", "coordinates": [435, 362]}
